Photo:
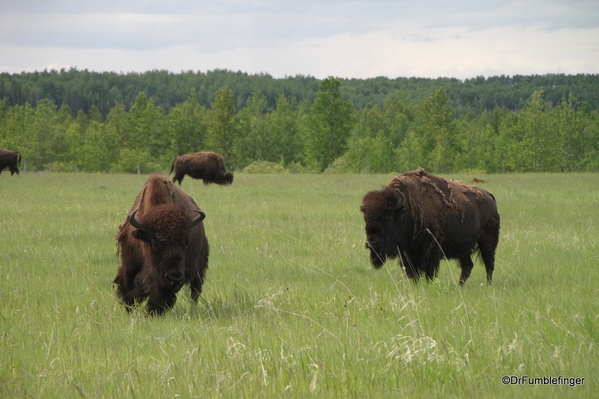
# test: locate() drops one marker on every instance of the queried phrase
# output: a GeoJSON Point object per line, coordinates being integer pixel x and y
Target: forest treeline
{"type": "Point", "coordinates": [106, 122]}
{"type": "Point", "coordinates": [82, 90]}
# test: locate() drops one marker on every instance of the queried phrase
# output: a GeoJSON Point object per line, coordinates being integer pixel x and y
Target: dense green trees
{"type": "Point", "coordinates": [81, 90]}
{"type": "Point", "coordinates": [322, 131]}
{"type": "Point", "coordinates": [329, 125]}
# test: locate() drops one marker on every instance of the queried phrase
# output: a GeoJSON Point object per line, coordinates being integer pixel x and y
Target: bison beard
{"type": "Point", "coordinates": [162, 246]}
{"type": "Point", "coordinates": [422, 218]}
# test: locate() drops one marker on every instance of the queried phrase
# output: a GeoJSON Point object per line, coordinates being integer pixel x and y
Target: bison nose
{"type": "Point", "coordinates": [175, 277]}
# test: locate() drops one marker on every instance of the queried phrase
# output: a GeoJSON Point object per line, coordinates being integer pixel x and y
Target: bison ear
{"type": "Point", "coordinates": [141, 235]}
{"type": "Point", "coordinates": [401, 200]}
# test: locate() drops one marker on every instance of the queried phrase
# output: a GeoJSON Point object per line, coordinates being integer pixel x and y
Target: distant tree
{"type": "Point", "coordinates": [283, 125]}
{"type": "Point", "coordinates": [43, 136]}
{"type": "Point", "coordinates": [186, 124]}
{"type": "Point", "coordinates": [370, 147]}
{"type": "Point", "coordinates": [398, 114]}
{"type": "Point", "coordinates": [570, 125]}
{"type": "Point", "coordinates": [431, 140]}
{"type": "Point", "coordinates": [529, 145]}
{"type": "Point", "coordinates": [330, 125]}
{"type": "Point", "coordinates": [99, 148]}
{"type": "Point", "coordinates": [223, 129]}
{"type": "Point", "coordinates": [119, 122]}
{"type": "Point", "coordinates": [255, 141]}
{"type": "Point", "coordinates": [11, 120]}
{"type": "Point", "coordinates": [147, 132]}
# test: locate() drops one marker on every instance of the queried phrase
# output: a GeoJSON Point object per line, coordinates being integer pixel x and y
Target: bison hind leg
{"type": "Point", "coordinates": [466, 264]}
{"type": "Point", "coordinates": [487, 245]}
{"type": "Point", "coordinates": [178, 177]}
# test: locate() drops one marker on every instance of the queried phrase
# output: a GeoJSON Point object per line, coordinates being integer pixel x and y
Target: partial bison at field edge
{"type": "Point", "coordinates": [162, 245]}
{"type": "Point", "coordinates": [422, 218]}
{"type": "Point", "coordinates": [208, 166]}
{"type": "Point", "coordinates": [11, 160]}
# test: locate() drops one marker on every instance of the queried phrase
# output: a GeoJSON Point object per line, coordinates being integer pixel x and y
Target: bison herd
{"type": "Point", "coordinates": [418, 218]}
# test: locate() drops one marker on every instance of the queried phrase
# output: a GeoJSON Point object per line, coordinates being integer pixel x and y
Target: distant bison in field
{"type": "Point", "coordinates": [475, 180]}
{"type": "Point", "coordinates": [162, 245]}
{"type": "Point", "coordinates": [208, 166]}
{"type": "Point", "coordinates": [422, 218]}
{"type": "Point", "coordinates": [10, 159]}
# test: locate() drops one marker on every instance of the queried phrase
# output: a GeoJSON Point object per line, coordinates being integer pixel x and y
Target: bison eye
{"type": "Point", "coordinates": [388, 217]}
{"type": "Point", "coordinates": [157, 245]}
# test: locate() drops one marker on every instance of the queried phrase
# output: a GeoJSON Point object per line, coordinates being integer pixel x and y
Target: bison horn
{"type": "Point", "coordinates": [199, 218]}
{"type": "Point", "coordinates": [136, 223]}
{"type": "Point", "coordinates": [401, 200]}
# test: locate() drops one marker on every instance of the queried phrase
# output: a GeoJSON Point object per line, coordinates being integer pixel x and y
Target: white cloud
{"type": "Point", "coordinates": [327, 37]}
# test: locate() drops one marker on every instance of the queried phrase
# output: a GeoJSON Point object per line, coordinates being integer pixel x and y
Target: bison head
{"type": "Point", "coordinates": [165, 230]}
{"type": "Point", "coordinates": [382, 212]}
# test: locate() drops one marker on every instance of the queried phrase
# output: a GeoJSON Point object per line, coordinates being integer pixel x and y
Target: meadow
{"type": "Point", "coordinates": [291, 307]}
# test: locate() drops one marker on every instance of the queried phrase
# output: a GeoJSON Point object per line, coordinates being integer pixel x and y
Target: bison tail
{"type": "Point", "coordinates": [172, 165]}
{"type": "Point", "coordinates": [19, 159]}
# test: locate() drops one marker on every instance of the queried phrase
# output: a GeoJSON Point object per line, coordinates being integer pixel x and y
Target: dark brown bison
{"type": "Point", "coordinates": [10, 159]}
{"type": "Point", "coordinates": [162, 245]}
{"type": "Point", "coordinates": [208, 166]}
{"type": "Point", "coordinates": [422, 218]}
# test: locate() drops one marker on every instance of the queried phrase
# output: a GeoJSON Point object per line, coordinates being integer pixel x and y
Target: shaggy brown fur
{"type": "Point", "coordinates": [422, 218]}
{"type": "Point", "coordinates": [208, 166]}
{"type": "Point", "coordinates": [162, 246]}
{"type": "Point", "coordinates": [10, 159]}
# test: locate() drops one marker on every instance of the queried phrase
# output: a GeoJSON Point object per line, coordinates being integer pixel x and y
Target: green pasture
{"type": "Point", "coordinates": [291, 307]}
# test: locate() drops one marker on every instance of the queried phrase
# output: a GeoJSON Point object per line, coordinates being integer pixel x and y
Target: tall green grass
{"type": "Point", "coordinates": [291, 307]}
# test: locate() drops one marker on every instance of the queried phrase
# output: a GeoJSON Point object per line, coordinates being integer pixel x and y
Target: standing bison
{"type": "Point", "coordinates": [208, 166]}
{"type": "Point", "coordinates": [162, 246]}
{"type": "Point", "coordinates": [422, 218]}
{"type": "Point", "coordinates": [10, 159]}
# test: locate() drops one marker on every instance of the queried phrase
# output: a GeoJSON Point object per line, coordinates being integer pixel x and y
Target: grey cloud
{"type": "Point", "coordinates": [219, 25]}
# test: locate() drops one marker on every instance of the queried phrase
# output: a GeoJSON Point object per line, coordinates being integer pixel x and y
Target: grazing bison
{"type": "Point", "coordinates": [10, 159]}
{"type": "Point", "coordinates": [162, 245]}
{"type": "Point", "coordinates": [422, 218]}
{"type": "Point", "coordinates": [208, 166]}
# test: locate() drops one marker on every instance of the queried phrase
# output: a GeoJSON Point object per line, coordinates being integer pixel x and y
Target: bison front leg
{"type": "Point", "coordinates": [126, 298]}
{"type": "Point", "coordinates": [430, 265]}
{"type": "Point", "coordinates": [409, 263]}
{"type": "Point", "coordinates": [196, 287]}
{"type": "Point", "coordinates": [129, 290]}
{"type": "Point", "coordinates": [160, 303]}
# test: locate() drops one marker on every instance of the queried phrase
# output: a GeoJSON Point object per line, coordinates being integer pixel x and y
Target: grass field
{"type": "Point", "coordinates": [291, 307]}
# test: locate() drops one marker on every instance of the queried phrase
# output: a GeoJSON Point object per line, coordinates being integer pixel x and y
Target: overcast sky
{"type": "Point", "coordinates": [320, 38]}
